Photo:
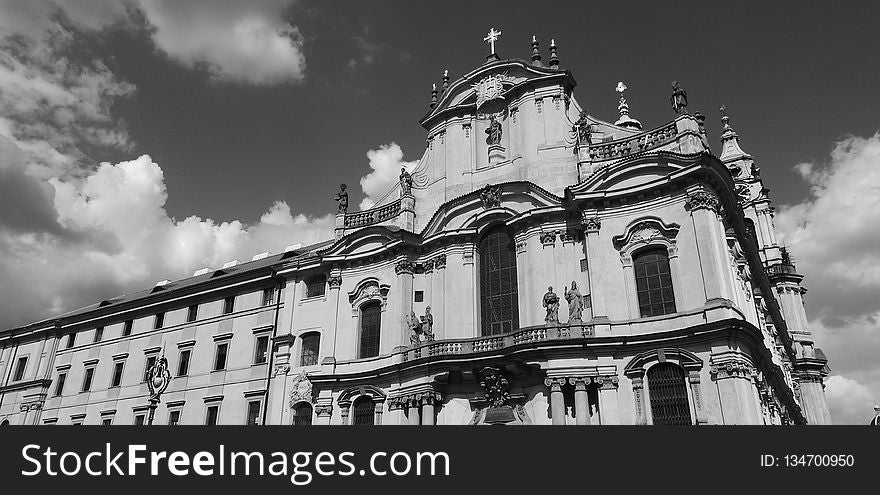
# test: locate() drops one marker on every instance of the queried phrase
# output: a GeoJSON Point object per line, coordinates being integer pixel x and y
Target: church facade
{"type": "Point", "coordinates": [538, 266]}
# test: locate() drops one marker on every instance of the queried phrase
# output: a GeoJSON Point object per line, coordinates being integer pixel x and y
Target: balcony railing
{"type": "Point", "coordinates": [372, 216]}
{"type": "Point", "coordinates": [622, 147]}
{"type": "Point", "coordinates": [530, 335]}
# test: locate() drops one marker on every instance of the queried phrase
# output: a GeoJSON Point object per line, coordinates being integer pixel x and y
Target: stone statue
{"type": "Point", "coordinates": [582, 128]}
{"type": "Point", "coordinates": [406, 182]}
{"type": "Point", "coordinates": [342, 199]}
{"type": "Point", "coordinates": [494, 131]}
{"type": "Point", "coordinates": [551, 304]}
{"type": "Point", "coordinates": [679, 98]}
{"type": "Point", "coordinates": [412, 321]}
{"type": "Point", "coordinates": [575, 303]}
{"type": "Point", "coordinates": [428, 325]}
{"type": "Point", "coordinates": [491, 196]}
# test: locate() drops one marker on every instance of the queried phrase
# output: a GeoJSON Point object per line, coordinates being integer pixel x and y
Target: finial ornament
{"type": "Point", "coordinates": [536, 54]}
{"type": "Point", "coordinates": [554, 57]}
{"type": "Point", "coordinates": [725, 119]}
{"type": "Point", "coordinates": [620, 88]}
{"type": "Point", "coordinates": [491, 38]}
{"type": "Point", "coordinates": [624, 120]}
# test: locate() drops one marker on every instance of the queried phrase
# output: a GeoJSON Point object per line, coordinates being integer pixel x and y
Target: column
{"type": "Point", "coordinates": [428, 409]}
{"type": "Point", "coordinates": [733, 377]}
{"type": "Point", "coordinates": [413, 412]}
{"type": "Point", "coordinates": [704, 206]}
{"type": "Point", "coordinates": [697, 393]}
{"type": "Point", "coordinates": [404, 270]}
{"type": "Point", "coordinates": [557, 401]}
{"type": "Point", "coordinates": [609, 405]}
{"type": "Point", "coordinates": [334, 281]}
{"type": "Point", "coordinates": [438, 296]}
{"type": "Point", "coordinates": [344, 409]}
{"type": "Point", "coordinates": [323, 413]}
{"type": "Point", "coordinates": [595, 271]}
{"type": "Point", "coordinates": [581, 400]}
{"type": "Point", "coordinates": [276, 403]}
{"type": "Point", "coordinates": [377, 411]}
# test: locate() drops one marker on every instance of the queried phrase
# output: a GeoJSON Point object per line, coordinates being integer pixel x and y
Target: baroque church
{"type": "Point", "coordinates": [538, 266]}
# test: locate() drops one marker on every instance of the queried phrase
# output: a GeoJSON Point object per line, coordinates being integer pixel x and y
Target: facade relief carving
{"type": "Point", "coordinates": [490, 196]}
{"type": "Point", "coordinates": [301, 390]}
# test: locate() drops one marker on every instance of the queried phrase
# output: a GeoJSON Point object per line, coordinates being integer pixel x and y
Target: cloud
{"type": "Point", "coordinates": [834, 241]}
{"type": "Point", "coordinates": [386, 163]}
{"type": "Point", "coordinates": [113, 236]}
{"type": "Point", "coordinates": [850, 402]}
{"type": "Point", "coordinates": [243, 42]}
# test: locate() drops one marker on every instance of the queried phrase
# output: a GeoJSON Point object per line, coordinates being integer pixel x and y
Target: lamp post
{"type": "Point", "coordinates": [158, 379]}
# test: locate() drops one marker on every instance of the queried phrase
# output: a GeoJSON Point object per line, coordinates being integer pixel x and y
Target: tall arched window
{"type": "Point", "coordinates": [499, 311]}
{"type": "Point", "coordinates": [302, 414]}
{"type": "Point", "coordinates": [364, 411]}
{"type": "Point", "coordinates": [669, 396]}
{"type": "Point", "coordinates": [371, 318]}
{"type": "Point", "coordinates": [654, 282]}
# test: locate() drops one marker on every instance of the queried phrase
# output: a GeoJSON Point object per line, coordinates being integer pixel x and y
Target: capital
{"type": "Point", "coordinates": [703, 199]}
{"type": "Point", "coordinates": [590, 222]}
{"type": "Point", "coordinates": [404, 267]}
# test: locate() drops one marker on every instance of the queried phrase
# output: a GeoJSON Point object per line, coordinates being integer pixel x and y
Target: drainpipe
{"type": "Point", "coordinates": [278, 285]}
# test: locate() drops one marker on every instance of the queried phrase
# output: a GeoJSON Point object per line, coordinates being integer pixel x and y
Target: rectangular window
{"type": "Point", "coordinates": [140, 419]}
{"type": "Point", "coordinates": [99, 334]}
{"type": "Point", "coordinates": [106, 421]}
{"type": "Point", "coordinates": [269, 296]}
{"type": "Point", "coordinates": [211, 415]}
{"type": "Point", "coordinates": [220, 358]}
{"type": "Point", "coordinates": [228, 305]}
{"type": "Point", "coordinates": [159, 322]}
{"type": "Point", "coordinates": [126, 328]}
{"type": "Point", "coordinates": [183, 362]}
{"type": "Point", "coordinates": [117, 373]}
{"type": "Point", "coordinates": [309, 354]}
{"type": "Point", "coordinates": [87, 380]}
{"type": "Point", "coordinates": [151, 360]}
{"type": "Point", "coordinates": [174, 418]}
{"type": "Point", "coordinates": [253, 413]}
{"type": "Point", "coordinates": [59, 386]}
{"type": "Point", "coordinates": [76, 423]}
{"type": "Point", "coordinates": [315, 286]}
{"type": "Point", "coordinates": [261, 353]}
{"type": "Point", "coordinates": [192, 313]}
{"type": "Point", "coordinates": [20, 368]}
{"type": "Point", "coordinates": [71, 339]}
{"type": "Point", "coordinates": [420, 296]}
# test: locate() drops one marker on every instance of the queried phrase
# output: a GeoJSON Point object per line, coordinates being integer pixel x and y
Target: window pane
{"type": "Point", "coordinates": [99, 334]}
{"type": "Point", "coordinates": [310, 345]}
{"type": "Point", "coordinates": [59, 389]}
{"type": "Point", "coordinates": [262, 349]}
{"type": "Point", "coordinates": [139, 420]}
{"type": "Point", "coordinates": [192, 313]}
{"type": "Point", "coordinates": [87, 381]}
{"type": "Point", "coordinates": [499, 311]}
{"type": "Point", "coordinates": [371, 315]}
{"type": "Point", "coordinates": [302, 414]}
{"type": "Point", "coordinates": [268, 296]}
{"type": "Point", "coordinates": [253, 413]}
{"type": "Point", "coordinates": [126, 328]}
{"type": "Point", "coordinates": [19, 368]}
{"type": "Point", "coordinates": [211, 417]}
{"type": "Point", "coordinates": [174, 418]}
{"type": "Point", "coordinates": [117, 374]}
{"type": "Point", "coordinates": [151, 360]}
{"type": "Point", "coordinates": [183, 364]}
{"type": "Point", "coordinates": [315, 286]}
{"type": "Point", "coordinates": [220, 361]}
{"type": "Point", "coordinates": [654, 283]}
{"type": "Point", "coordinates": [228, 305]}
{"type": "Point", "coordinates": [668, 392]}
{"type": "Point", "coordinates": [364, 412]}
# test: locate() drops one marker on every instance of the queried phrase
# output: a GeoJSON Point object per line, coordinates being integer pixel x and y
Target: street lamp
{"type": "Point", "coordinates": [158, 378]}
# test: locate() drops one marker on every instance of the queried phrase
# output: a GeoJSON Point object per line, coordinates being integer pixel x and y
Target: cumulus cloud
{"type": "Point", "coordinates": [235, 41]}
{"type": "Point", "coordinates": [850, 402]}
{"type": "Point", "coordinates": [113, 236]}
{"type": "Point", "coordinates": [385, 163]}
{"type": "Point", "coordinates": [834, 241]}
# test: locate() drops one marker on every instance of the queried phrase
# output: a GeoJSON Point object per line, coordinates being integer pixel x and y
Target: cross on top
{"type": "Point", "coordinates": [491, 38]}
{"type": "Point", "coordinates": [620, 87]}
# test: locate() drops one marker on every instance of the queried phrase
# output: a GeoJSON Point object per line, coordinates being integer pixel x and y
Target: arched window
{"type": "Point", "coordinates": [499, 311]}
{"type": "Point", "coordinates": [5, 422]}
{"type": "Point", "coordinates": [654, 282]}
{"type": "Point", "coordinates": [364, 411]}
{"type": "Point", "coordinates": [371, 318]}
{"type": "Point", "coordinates": [302, 414]}
{"type": "Point", "coordinates": [669, 396]}
{"type": "Point", "coordinates": [310, 346]}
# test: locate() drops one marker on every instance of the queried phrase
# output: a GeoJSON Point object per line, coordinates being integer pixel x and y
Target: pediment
{"type": "Point", "coordinates": [635, 172]}
{"type": "Point", "coordinates": [366, 241]}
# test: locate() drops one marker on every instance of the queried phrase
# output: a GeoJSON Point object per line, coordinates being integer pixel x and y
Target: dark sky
{"type": "Point", "coordinates": [795, 77]}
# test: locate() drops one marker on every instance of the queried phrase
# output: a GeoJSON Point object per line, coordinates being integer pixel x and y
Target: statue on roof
{"type": "Point", "coordinates": [551, 304]}
{"type": "Point", "coordinates": [406, 182]}
{"type": "Point", "coordinates": [582, 128]}
{"type": "Point", "coordinates": [494, 131]}
{"type": "Point", "coordinates": [341, 199]}
{"type": "Point", "coordinates": [679, 98]}
{"type": "Point", "coordinates": [575, 303]}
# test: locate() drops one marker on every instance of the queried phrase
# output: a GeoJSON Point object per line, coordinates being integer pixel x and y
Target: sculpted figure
{"type": "Point", "coordinates": [551, 304]}
{"type": "Point", "coordinates": [342, 199]}
{"type": "Point", "coordinates": [679, 98]}
{"type": "Point", "coordinates": [406, 182]}
{"type": "Point", "coordinates": [582, 128]}
{"type": "Point", "coordinates": [575, 303]}
{"type": "Point", "coordinates": [412, 321]}
{"type": "Point", "coordinates": [428, 325]}
{"type": "Point", "coordinates": [494, 131]}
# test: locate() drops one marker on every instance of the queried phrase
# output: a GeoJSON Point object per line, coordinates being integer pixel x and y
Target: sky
{"type": "Point", "coordinates": [143, 139]}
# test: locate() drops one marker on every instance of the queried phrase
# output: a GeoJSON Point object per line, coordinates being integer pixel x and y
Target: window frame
{"type": "Point", "coordinates": [180, 361]}
{"type": "Point", "coordinates": [192, 313]}
{"type": "Point", "coordinates": [362, 330]}
{"type": "Point", "coordinates": [260, 337]}
{"type": "Point", "coordinates": [247, 416]}
{"type": "Point", "coordinates": [71, 340]}
{"type": "Point", "coordinates": [312, 282]}
{"type": "Point", "coordinates": [116, 366]}
{"type": "Point", "coordinates": [225, 345]}
{"type": "Point", "coordinates": [60, 381]}
{"type": "Point", "coordinates": [159, 320]}
{"type": "Point", "coordinates": [295, 415]}
{"type": "Point", "coordinates": [268, 296]}
{"type": "Point", "coordinates": [127, 327]}
{"type": "Point", "coordinates": [147, 365]}
{"type": "Point", "coordinates": [685, 391]}
{"type": "Point", "coordinates": [490, 253]}
{"type": "Point", "coordinates": [88, 379]}
{"type": "Point", "coordinates": [644, 300]}
{"type": "Point", "coordinates": [228, 305]}
{"type": "Point", "coordinates": [20, 368]}
{"type": "Point", "coordinates": [99, 334]}
{"type": "Point", "coordinates": [305, 337]}
{"type": "Point", "coordinates": [363, 399]}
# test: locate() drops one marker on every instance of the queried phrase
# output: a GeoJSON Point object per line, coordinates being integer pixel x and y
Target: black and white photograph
{"type": "Point", "coordinates": [271, 215]}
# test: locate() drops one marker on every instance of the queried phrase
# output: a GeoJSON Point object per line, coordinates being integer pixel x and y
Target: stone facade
{"type": "Point", "coordinates": [341, 332]}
